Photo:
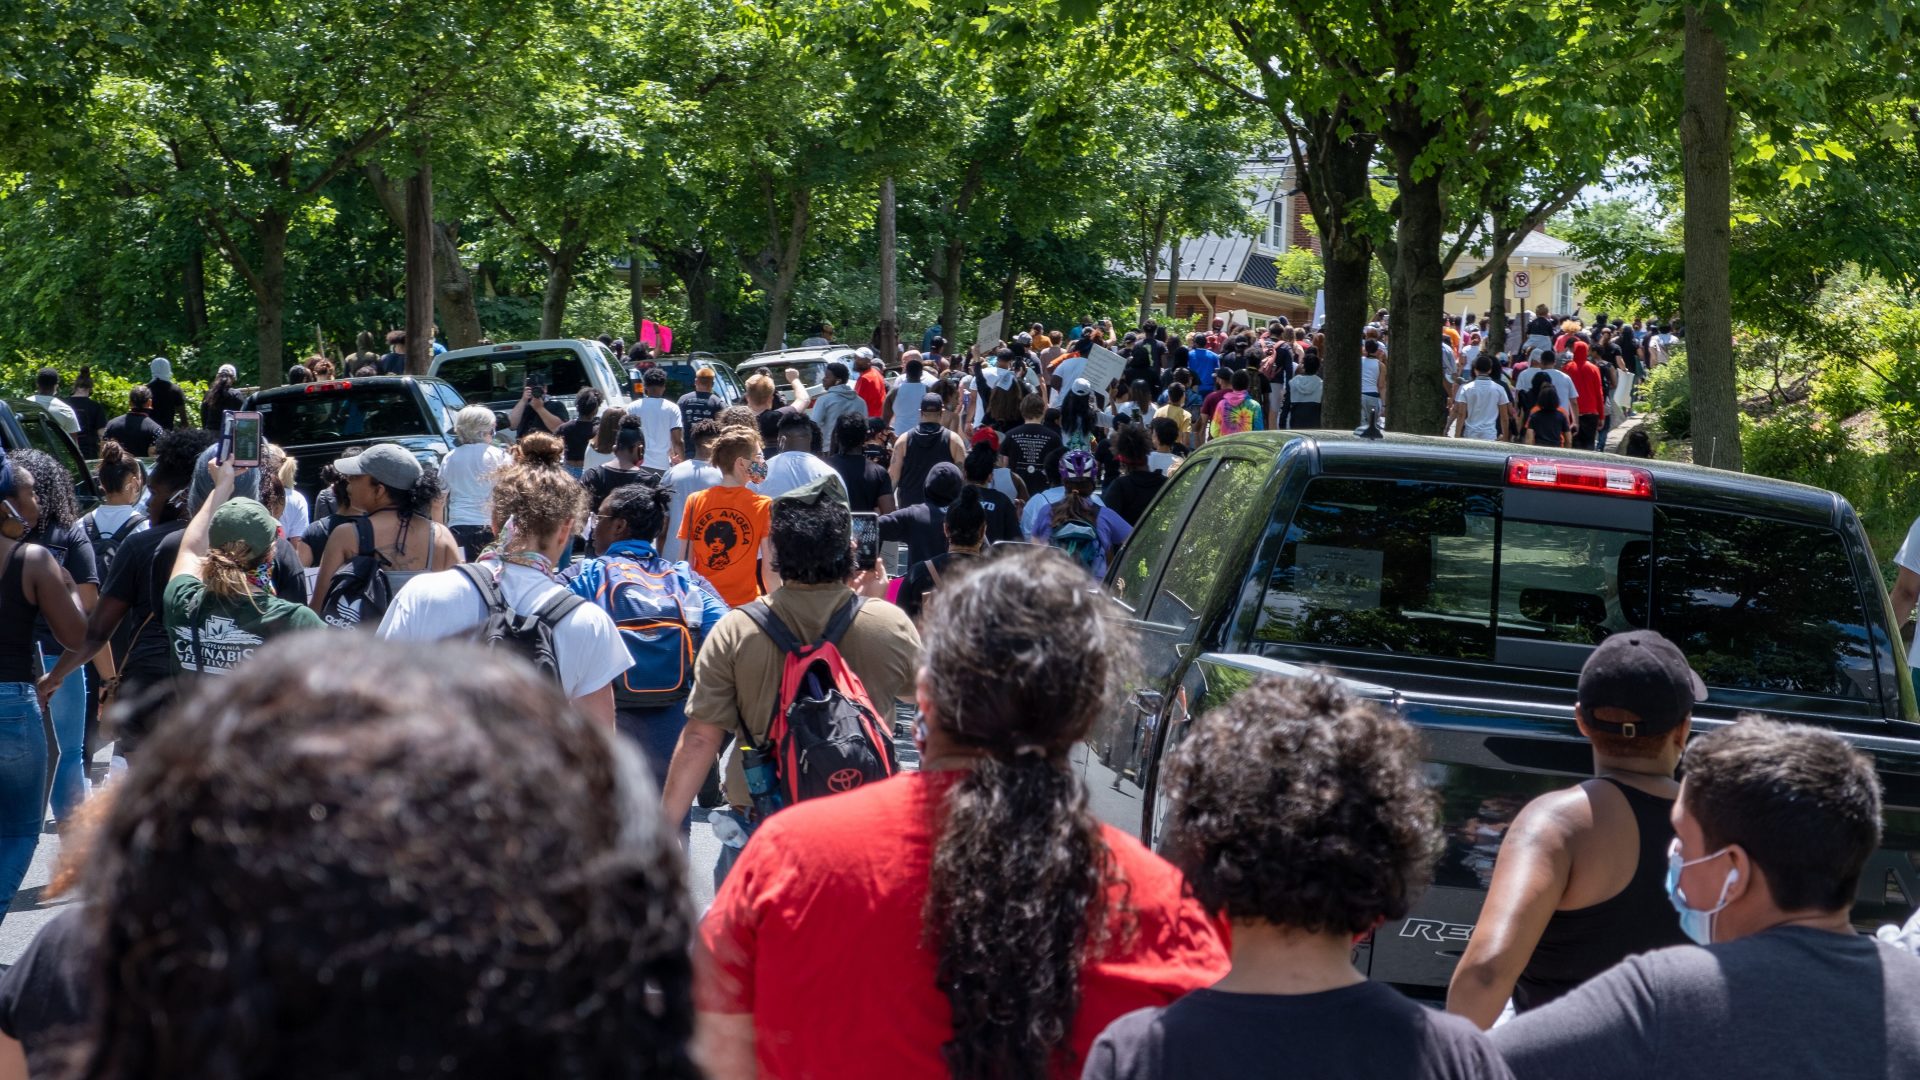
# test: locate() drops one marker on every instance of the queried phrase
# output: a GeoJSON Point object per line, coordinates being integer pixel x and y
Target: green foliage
{"type": "Point", "coordinates": [1669, 396]}
{"type": "Point", "coordinates": [1798, 443]}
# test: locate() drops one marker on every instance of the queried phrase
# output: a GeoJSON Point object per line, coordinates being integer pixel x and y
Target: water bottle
{"type": "Point", "coordinates": [763, 780]}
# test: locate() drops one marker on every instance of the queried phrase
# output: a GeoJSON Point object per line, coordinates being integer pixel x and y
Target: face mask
{"type": "Point", "coordinates": [757, 471]}
{"type": "Point", "coordinates": [1695, 923]}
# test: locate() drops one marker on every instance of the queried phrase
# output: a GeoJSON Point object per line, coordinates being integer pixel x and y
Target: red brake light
{"type": "Point", "coordinates": [506, 348]}
{"type": "Point", "coordinates": [1580, 476]}
{"type": "Point", "coordinates": [314, 388]}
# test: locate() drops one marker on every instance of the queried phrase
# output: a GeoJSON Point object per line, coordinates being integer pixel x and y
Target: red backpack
{"type": "Point", "coordinates": [826, 735]}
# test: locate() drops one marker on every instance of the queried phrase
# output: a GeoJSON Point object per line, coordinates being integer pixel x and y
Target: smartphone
{"type": "Point", "coordinates": [866, 538]}
{"type": "Point", "coordinates": [240, 439]}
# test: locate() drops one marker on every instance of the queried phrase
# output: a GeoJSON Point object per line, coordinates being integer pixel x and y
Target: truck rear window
{"type": "Point", "coordinates": [1435, 570]}
{"type": "Point", "coordinates": [360, 412]}
{"type": "Point", "coordinates": [500, 376]}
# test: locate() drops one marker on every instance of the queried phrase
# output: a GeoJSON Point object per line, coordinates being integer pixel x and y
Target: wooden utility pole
{"type": "Point", "coordinates": [419, 236]}
{"type": "Point", "coordinates": [886, 337]}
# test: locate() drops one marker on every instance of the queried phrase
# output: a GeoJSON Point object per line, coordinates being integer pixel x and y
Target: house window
{"type": "Point", "coordinates": [1563, 292]}
{"type": "Point", "coordinates": [1277, 235]}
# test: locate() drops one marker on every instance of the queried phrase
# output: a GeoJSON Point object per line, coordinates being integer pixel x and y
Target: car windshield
{"type": "Point", "coordinates": [348, 413]}
{"type": "Point", "coordinates": [498, 376]}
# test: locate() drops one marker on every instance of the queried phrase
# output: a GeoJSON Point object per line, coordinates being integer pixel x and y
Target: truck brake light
{"type": "Point", "coordinates": [1580, 476]}
{"type": "Point", "coordinates": [314, 388]}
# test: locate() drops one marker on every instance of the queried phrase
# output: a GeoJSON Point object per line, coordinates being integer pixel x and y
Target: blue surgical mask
{"type": "Point", "coordinates": [1694, 922]}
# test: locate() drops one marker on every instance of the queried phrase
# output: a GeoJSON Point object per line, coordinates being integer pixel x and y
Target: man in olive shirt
{"type": "Point", "coordinates": [1773, 826]}
{"type": "Point", "coordinates": [736, 677]}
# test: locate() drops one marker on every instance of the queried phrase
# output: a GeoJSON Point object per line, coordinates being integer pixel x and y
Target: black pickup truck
{"type": "Point", "coordinates": [24, 425]}
{"type": "Point", "coordinates": [1464, 583]}
{"type": "Point", "coordinates": [317, 422]}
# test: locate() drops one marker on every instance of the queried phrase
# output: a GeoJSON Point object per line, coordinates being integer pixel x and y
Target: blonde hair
{"type": "Point", "coordinates": [733, 445]}
{"type": "Point", "coordinates": [228, 570]}
{"type": "Point", "coordinates": [760, 390]}
{"type": "Point", "coordinates": [474, 424]}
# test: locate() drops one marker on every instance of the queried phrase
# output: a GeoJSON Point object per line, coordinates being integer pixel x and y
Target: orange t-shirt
{"type": "Point", "coordinates": [723, 527]}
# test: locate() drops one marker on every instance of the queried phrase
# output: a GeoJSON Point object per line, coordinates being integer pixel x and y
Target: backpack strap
{"type": "Point", "coordinates": [93, 531]}
{"type": "Point", "coordinates": [558, 606]}
{"type": "Point", "coordinates": [134, 521]}
{"type": "Point", "coordinates": [770, 624]}
{"type": "Point", "coordinates": [483, 580]}
{"type": "Point", "coordinates": [363, 529]}
{"type": "Point", "coordinates": [842, 620]}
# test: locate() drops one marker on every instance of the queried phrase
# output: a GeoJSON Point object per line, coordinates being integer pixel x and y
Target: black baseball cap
{"type": "Point", "coordinates": [1644, 674]}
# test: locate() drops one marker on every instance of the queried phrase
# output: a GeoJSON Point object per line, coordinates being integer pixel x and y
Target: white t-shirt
{"type": "Point", "coordinates": [1369, 375]}
{"type": "Point", "coordinates": [62, 412]}
{"type": "Point", "coordinates": [906, 404]}
{"type": "Point", "coordinates": [1449, 364]}
{"type": "Point", "coordinates": [684, 479]}
{"type": "Point", "coordinates": [1908, 558]}
{"type": "Point", "coordinates": [468, 475]}
{"type": "Point", "coordinates": [790, 470]}
{"type": "Point", "coordinates": [1562, 385]}
{"type": "Point", "coordinates": [659, 419]}
{"type": "Point", "coordinates": [1069, 370]}
{"type": "Point", "coordinates": [445, 604]}
{"type": "Point", "coordinates": [1483, 399]}
{"type": "Point", "coordinates": [593, 458]}
{"type": "Point", "coordinates": [296, 516]}
{"type": "Point", "coordinates": [108, 519]}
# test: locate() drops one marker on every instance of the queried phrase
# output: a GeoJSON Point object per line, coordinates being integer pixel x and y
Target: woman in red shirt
{"type": "Point", "coordinates": [972, 919]}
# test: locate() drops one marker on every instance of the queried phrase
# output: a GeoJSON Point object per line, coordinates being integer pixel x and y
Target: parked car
{"type": "Point", "coordinates": [494, 375]}
{"type": "Point", "coordinates": [25, 425]}
{"type": "Point", "coordinates": [1464, 584]}
{"type": "Point", "coordinates": [317, 422]}
{"type": "Point", "coordinates": [811, 362]}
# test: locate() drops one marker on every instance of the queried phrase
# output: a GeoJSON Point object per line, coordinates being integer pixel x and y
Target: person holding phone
{"type": "Point", "coordinates": [530, 413]}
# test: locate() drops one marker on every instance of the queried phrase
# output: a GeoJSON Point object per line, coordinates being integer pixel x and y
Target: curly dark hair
{"type": "Point", "coordinates": [1019, 662]}
{"type": "Point", "coordinates": [1299, 804]}
{"type": "Point", "coordinates": [643, 507]}
{"type": "Point", "coordinates": [406, 861]}
{"type": "Point", "coordinates": [812, 542]}
{"type": "Point", "coordinates": [52, 488]}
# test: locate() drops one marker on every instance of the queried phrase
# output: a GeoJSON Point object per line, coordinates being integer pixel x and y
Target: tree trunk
{"type": "Point", "coordinates": [419, 247]}
{"type": "Point", "coordinates": [783, 259]}
{"type": "Point", "coordinates": [1173, 279]}
{"type": "Point", "coordinates": [195, 288]}
{"type": "Point", "coordinates": [1150, 259]}
{"type": "Point", "coordinates": [1417, 394]}
{"type": "Point", "coordinates": [453, 291]}
{"type": "Point", "coordinates": [1496, 329]}
{"type": "Point", "coordinates": [553, 299]}
{"type": "Point", "coordinates": [1347, 268]}
{"type": "Point", "coordinates": [886, 337]}
{"type": "Point", "coordinates": [953, 262]}
{"type": "Point", "coordinates": [1008, 288]}
{"type": "Point", "coordinates": [636, 286]}
{"type": "Point", "coordinates": [1706, 161]}
{"type": "Point", "coordinates": [270, 291]}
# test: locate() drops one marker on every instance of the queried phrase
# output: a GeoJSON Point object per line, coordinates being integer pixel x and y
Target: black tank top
{"type": "Point", "coordinates": [1579, 944]}
{"type": "Point", "coordinates": [18, 661]}
{"type": "Point", "coordinates": [926, 447]}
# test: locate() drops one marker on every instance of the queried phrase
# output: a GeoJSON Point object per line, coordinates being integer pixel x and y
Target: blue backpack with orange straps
{"type": "Point", "coordinates": [659, 620]}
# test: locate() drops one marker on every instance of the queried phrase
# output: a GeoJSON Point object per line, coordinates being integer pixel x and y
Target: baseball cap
{"type": "Point", "coordinates": [228, 370]}
{"type": "Point", "coordinates": [654, 377]}
{"type": "Point", "coordinates": [986, 435]}
{"type": "Point", "coordinates": [1023, 338]}
{"type": "Point", "coordinates": [863, 353]}
{"type": "Point", "coordinates": [246, 521]}
{"type": "Point", "coordinates": [385, 462]}
{"type": "Point", "coordinates": [933, 403]}
{"type": "Point", "coordinates": [825, 488]}
{"type": "Point", "coordinates": [1082, 386]}
{"type": "Point", "coordinates": [1641, 673]}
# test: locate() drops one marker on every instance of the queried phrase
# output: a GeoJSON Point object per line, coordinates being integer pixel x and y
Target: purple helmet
{"type": "Point", "coordinates": [1078, 465]}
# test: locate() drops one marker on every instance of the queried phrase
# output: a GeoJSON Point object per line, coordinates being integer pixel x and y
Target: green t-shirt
{"type": "Point", "coordinates": [213, 635]}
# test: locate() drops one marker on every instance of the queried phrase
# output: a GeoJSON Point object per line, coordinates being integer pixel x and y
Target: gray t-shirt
{"type": "Point", "coordinates": [1791, 1002]}
{"type": "Point", "coordinates": [1369, 1031]}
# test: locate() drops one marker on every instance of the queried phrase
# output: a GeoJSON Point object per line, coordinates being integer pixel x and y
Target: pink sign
{"type": "Point", "coordinates": [657, 335]}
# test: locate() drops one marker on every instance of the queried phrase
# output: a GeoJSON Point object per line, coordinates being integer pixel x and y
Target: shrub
{"type": "Point", "coordinates": [1797, 444]}
{"type": "Point", "coordinates": [1670, 398]}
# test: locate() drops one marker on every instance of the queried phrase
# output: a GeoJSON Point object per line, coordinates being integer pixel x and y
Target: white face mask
{"type": "Point", "coordinates": [1694, 922]}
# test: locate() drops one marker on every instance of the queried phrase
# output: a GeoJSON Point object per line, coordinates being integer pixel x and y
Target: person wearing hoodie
{"type": "Point", "coordinates": [169, 403]}
{"type": "Point", "coordinates": [1590, 396]}
{"type": "Point", "coordinates": [837, 399]}
{"type": "Point", "coordinates": [1237, 410]}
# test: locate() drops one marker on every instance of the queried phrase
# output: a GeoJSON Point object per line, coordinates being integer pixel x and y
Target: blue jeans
{"type": "Point", "coordinates": [23, 776]}
{"type": "Point", "coordinates": [656, 731]}
{"type": "Point", "coordinates": [69, 710]}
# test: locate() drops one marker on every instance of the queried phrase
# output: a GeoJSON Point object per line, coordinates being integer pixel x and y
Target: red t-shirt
{"type": "Point", "coordinates": [1586, 383]}
{"type": "Point", "coordinates": [872, 388]}
{"type": "Point", "coordinates": [816, 932]}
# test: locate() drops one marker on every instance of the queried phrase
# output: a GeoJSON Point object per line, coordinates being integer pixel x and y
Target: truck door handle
{"type": "Point", "coordinates": [1149, 701]}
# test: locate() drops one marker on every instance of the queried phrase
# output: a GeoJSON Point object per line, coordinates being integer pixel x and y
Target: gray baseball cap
{"type": "Point", "coordinates": [392, 465]}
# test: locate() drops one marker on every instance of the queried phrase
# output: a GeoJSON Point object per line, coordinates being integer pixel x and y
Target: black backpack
{"type": "Point", "coordinates": [826, 735]}
{"type": "Point", "coordinates": [529, 635]}
{"type": "Point", "coordinates": [105, 546]}
{"type": "Point", "coordinates": [359, 592]}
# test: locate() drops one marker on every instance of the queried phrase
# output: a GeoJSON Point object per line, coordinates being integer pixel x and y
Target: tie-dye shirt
{"type": "Point", "coordinates": [1237, 412]}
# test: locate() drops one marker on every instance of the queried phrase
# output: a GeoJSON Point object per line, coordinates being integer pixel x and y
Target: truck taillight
{"type": "Point", "coordinates": [1580, 476]}
{"type": "Point", "coordinates": [314, 388]}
